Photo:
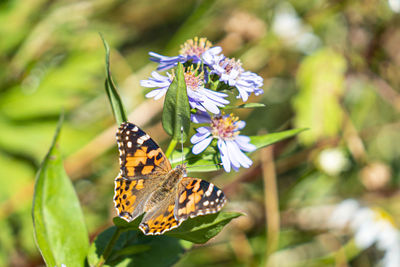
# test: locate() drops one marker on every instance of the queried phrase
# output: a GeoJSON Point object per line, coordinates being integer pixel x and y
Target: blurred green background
{"type": "Point", "coordinates": [331, 66]}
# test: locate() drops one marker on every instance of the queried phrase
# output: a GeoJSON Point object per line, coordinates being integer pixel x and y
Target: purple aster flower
{"type": "Point", "coordinates": [226, 129]}
{"type": "Point", "coordinates": [200, 98]}
{"type": "Point", "coordinates": [191, 50]}
{"type": "Point", "coordinates": [231, 72]}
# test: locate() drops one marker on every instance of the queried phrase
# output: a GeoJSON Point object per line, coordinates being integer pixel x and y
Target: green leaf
{"type": "Point", "coordinates": [124, 225]}
{"type": "Point", "coordinates": [268, 139]}
{"type": "Point", "coordinates": [135, 249]}
{"type": "Point", "coordinates": [111, 90]}
{"type": "Point", "coordinates": [247, 105]}
{"type": "Point", "coordinates": [204, 162]}
{"type": "Point", "coordinates": [197, 230]}
{"type": "Point", "coordinates": [202, 228]}
{"type": "Point", "coordinates": [176, 112]}
{"type": "Point", "coordinates": [59, 227]}
{"type": "Point", "coordinates": [321, 82]}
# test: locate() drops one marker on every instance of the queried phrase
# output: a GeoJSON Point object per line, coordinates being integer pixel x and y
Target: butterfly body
{"type": "Point", "coordinates": [148, 184]}
{"type": "Point", "coordinates": [167, 187]}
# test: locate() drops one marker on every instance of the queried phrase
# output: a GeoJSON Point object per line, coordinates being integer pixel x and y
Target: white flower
{"type": "Point", "coordinates": [343, 213]}
{"type": "Point", "coordinates": [370, 226]}
{"type": "Point", "coordinates": [333, 161]}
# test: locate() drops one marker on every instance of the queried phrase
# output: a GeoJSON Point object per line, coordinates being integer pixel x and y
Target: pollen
{"type": "Point", "coordinates": [225, 127]}
{"type": "Point", "coordinates": [229, 64]}
{"type": "Point", "coordinates": [195, 47]}
{"type": "Point", "coordinates": [193, 79]}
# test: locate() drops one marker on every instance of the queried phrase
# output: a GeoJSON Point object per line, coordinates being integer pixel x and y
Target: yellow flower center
{"type": "Point", "coordinates": [381, 214]}
{"type": "Point", "coordinates": [230, 63]}
{"type": "Point", "coordinates": [193, 79]}
{"type": "Point", "coordinates": [224, 127]}
{"type": "Point", "coordinates": [195, 47]}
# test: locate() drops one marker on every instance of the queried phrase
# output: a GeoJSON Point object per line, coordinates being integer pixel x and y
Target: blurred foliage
{"type": "Point", "coordinates": [330, 66]}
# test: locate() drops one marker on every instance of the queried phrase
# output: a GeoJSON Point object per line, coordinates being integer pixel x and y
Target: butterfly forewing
{"type": "Point", "coordinates": [139, 154]}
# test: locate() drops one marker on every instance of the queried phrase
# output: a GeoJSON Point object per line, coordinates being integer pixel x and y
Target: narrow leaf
{"type": "Point", "coordinates": [176, 113]}
{"type": "Point", "coordinates": [59, 227]}
{"type": "Point", "coordinates": [268, 139]}
{"type": "Point", "coordinates": [247, 105]}
{"type": "Point", "coordinates": [111, 90]}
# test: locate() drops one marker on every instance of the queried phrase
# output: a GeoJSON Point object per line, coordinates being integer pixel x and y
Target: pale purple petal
{"type": "Point", "coordinates": [224, 155]}
{"type": "Point", "coordinates": [238, 155]}
{"type": "Point", "coordinates": [216, 93]}
{"type": "Point", "coordinates": [160, 94]}
{"type": "Point", "coordinates": [203, 129]}
{"type": "Point", "coordinates": [155, 92]}
{"type": "Point", "coordinates": [199, 147]}
{"type": "Point", "coordinates": [214, 50]}
{"type": "Point", "coordinates": [242, 93]}
{"type": "Point", "coordinates": [197, 137]}
{"type": "Point", "coordinates": [240, 125]}
{"type": "Point", "coordinates": [217, 98]}
{"type": "Point", "coordinates": [166, 62]}
{"type": "Point", "coordinates": [210, 106]}
{"type": "Point", "coordinates": [243, 143]}
{"type": "Point", "coordinates": [232, 153]}
{"type": "Point", "coordinates": [200, 117]}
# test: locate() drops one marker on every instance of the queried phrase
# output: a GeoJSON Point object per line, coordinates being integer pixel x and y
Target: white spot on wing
{"type": "Point", "coordinates": [141, 140]}
{"type": "Point", "coordinates": [209, 190]}
{"type": "Point", "coordinates": [129, 144]}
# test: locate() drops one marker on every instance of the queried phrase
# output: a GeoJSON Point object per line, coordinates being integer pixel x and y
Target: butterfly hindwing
{"type": "Point", "coordinates": [130, 196]}
{"type": "Point", "coordinates": [197, 197]}
{"type": "Point", "coordinates": [161, 218]}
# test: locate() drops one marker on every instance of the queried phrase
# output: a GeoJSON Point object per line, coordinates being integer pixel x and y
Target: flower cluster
{"type": "Point", "coordinates": [209, 76]}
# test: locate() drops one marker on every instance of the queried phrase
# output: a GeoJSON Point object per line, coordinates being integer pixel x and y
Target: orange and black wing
{"type": "Point", "coordinates": [142, 166]}
{"type": "Point", "coordinates": [197, 197]}
{"type": "Point", "coordinates": [139, 155]}
{"type": "Point", "coordinates": [161, 218]}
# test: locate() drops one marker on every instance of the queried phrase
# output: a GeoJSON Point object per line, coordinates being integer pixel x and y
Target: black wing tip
{"type": "Point", "coordinates": [124, 125]}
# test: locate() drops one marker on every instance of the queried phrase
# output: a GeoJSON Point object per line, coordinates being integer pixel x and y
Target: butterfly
{"type": "Point", "coordinates": [148, 184]}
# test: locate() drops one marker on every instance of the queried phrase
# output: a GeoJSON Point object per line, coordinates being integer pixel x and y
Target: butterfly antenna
{"type": "Point", "coordinates": [182, 143]}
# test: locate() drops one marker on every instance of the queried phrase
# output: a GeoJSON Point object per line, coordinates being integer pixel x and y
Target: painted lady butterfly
{"type": "Point", "coordinates": [147, 183]}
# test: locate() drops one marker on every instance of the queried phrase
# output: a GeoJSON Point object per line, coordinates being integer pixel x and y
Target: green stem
{"type": "Point", "coordinates": [171, 147]}
{"type": "Point", "coordinates": [109, 247]}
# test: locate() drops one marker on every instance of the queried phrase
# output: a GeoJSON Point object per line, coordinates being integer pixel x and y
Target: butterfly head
{"type": "Point", "coordinates": [182, 169]}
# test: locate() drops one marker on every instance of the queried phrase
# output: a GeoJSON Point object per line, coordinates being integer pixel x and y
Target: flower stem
{"type": "Point", "coordinates": [171, 147]}
{"type": "Point", "coordinates": [109, 247]}
{"type": "Point", "coordinates": [271, 200]}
